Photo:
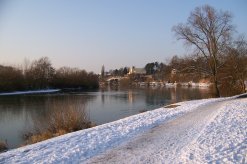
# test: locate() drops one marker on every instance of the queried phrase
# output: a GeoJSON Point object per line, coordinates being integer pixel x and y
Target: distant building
{"type": "Point", "coordinates": [137, 71]}
{"type": "Point", "coordinates": [102, 71]}
{"type": "Point", "coordinates": [174, 72]}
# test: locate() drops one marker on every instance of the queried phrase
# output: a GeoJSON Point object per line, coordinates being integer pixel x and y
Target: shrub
{"type": "Point", "coordinates": [3, 146]}
{"type": "Point", "coordinates": [69, 118]}
{"type": "Point", "coordinates": [69, 121]}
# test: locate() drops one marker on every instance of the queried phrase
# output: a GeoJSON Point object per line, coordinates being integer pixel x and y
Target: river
{"type": "Point", "coordinates": [18, 114]}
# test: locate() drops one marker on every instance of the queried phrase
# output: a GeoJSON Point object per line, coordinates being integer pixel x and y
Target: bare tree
{"type": "Point", "coordinates": [11, 79]}
{"type": "Point", "coordinates": [234, 72]}
{"type": "Point", "coordinates": [209, 32]}
{"type": "Point", "coordinates": [40, 73]}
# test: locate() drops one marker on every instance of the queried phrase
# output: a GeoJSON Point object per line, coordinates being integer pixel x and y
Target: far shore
{"type": "Point", "coordinates": [30, 92]}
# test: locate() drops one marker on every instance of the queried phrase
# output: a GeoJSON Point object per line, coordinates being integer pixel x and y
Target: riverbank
{"type": "Point", "coordinates": [219, 125]}
{"type": "Point", "coordinates": [30, 92]}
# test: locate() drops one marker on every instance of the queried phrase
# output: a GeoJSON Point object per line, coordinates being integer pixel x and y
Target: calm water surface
{"type": "Point", "coordinates": [18, 114]}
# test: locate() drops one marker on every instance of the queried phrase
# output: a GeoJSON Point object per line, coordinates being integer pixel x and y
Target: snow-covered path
{"type": "Point", "coordinates": [213, 133]}
{"type": "Point", "coordinates": [199, 131]}
{"type": "Point", "coordinates": [224, 140]}
{"type": "Point", "coordinates": [163, 142]}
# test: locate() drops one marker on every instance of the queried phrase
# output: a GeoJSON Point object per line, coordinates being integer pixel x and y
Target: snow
{"type": "Point", "coordinates": [166, 142]}
{"type": "Point", "coordinates": [224, 140]}
{"type": "Point", "coordinates": [30, 92]}
{"type": "Point", "coordinates": [210, 130]}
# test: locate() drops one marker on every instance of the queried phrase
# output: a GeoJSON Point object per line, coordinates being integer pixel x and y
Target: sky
{"type": "Point", "coordinates": [90, 33]}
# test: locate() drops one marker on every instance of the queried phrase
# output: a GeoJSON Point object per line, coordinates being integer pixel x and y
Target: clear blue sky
{"type": "Point", "coordinates": [90, 33]}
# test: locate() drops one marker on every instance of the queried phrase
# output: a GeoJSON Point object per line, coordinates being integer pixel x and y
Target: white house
{"type": "Point", "coordinates": [140, 71]}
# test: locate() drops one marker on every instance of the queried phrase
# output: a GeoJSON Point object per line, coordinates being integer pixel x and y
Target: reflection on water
{"type": "Point", "coordinates": [18, 113]}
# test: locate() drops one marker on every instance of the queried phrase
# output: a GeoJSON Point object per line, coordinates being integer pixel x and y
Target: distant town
{"type": "Point", "coordinates": [140, 77]}
{"type": "Point", "coordinates": [180, 71]}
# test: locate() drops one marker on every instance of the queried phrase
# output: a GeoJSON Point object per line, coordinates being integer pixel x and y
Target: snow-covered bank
{"type": "Point", "coordinates": [79, 146]}
{"type": "Point", "coordinates": [30, 92]}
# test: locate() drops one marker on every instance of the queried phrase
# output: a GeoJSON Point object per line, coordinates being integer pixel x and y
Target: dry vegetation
{"type": "Point", "coordinates": [3, 146]}
{"type": "Point", "coordinates": [64, 119]}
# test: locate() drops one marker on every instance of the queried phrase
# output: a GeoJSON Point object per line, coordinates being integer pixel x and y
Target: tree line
{"type": "Point", "coordinates": [231, 69]}
{"type": "Point", "coordinates": [40, 74]}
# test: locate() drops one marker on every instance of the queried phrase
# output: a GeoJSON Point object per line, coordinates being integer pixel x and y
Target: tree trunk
{"type": "Point", "coordinates": [216, 89]}
{"type": "Point", "coordinates": [242, 86]}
